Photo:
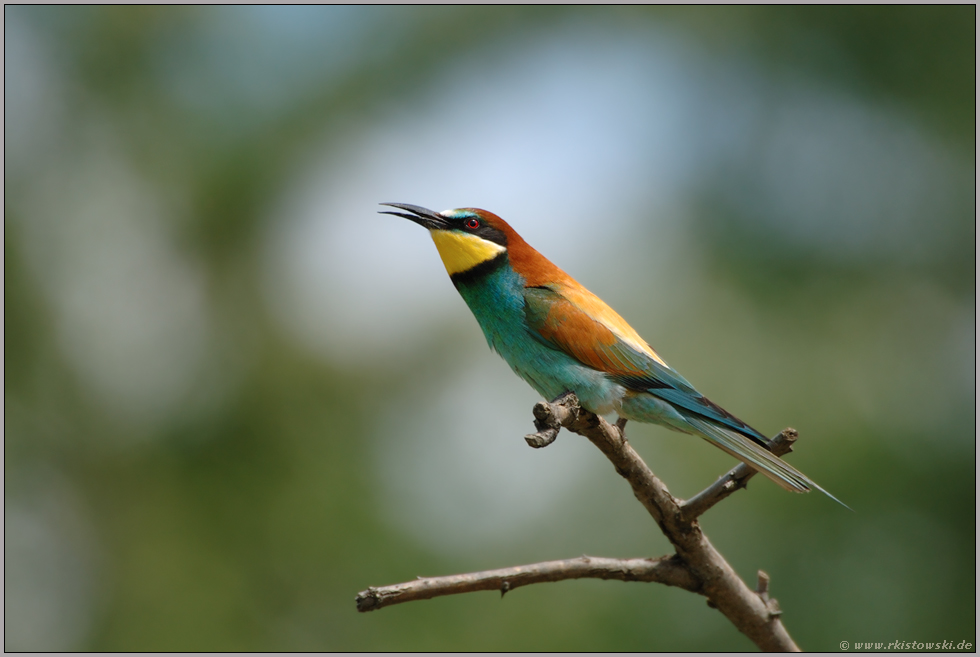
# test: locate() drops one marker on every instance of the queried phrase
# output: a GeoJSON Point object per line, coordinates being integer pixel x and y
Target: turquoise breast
{"type": "Point", "coordinates": [495, 294]}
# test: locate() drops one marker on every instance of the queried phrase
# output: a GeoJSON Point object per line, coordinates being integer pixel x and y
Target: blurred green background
{"type": "Point", "coordinates": [234, 395]}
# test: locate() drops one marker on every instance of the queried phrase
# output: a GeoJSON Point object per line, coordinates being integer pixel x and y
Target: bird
{"type": "Point", "coordinates": [560, 338]}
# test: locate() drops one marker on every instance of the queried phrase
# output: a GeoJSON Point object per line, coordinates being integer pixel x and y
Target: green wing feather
{"type": "Point", "coordinates": [557, 322]}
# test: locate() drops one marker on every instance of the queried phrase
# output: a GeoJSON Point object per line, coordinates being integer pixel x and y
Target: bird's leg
{"type": "Point", "coordinates": [621, 425]}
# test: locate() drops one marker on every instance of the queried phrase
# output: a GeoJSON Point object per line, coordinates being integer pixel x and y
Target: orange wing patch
{"type": "Point", "coordinates": [561, 323]}
{"type": "Point", "coordinates": [539, 272]}
{"type": "Point", "coordinates": [600, 311]}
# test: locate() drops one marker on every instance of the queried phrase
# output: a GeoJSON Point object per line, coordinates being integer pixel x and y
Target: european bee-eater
{"type": "Point", "coordinates": [560, 338]}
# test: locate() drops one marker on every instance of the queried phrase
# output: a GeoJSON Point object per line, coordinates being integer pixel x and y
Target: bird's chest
{"type": "Point", "coordinates": [497, 302]}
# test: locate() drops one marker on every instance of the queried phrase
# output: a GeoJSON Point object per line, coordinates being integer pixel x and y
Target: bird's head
{"type": "Point", "coordinates": [466, 238]}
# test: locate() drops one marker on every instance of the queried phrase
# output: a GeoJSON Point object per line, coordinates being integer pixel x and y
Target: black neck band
{"type": "Point", "coordinates": [477, 272]}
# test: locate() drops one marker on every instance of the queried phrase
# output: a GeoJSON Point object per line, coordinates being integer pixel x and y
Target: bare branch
{"type": "Point", "coordinates": [649, 490]}
{"type": "Point", "coordinates": [665, 570]}
{"type": "Point", "coordinates": [716, 579]}
{"type": "Point", "coordinates": [697, 566]}
{"type": "Point", "coordinates": [736, 479]}
{"type": "Point", "coordinates": [547, 426]}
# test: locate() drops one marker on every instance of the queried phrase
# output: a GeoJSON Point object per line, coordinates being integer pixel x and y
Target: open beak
{"type": "Point", "coordinates": [423, 217]}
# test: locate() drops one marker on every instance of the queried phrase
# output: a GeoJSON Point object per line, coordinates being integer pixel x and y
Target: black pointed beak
{"type": "Point", "coordinates": [423, 217]}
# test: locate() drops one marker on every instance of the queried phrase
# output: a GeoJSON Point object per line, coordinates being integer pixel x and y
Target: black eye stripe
{"type": "Point", "coordinates": [480, 228]}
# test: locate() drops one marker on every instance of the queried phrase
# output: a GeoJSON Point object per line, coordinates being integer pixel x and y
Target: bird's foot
{"type": "Point", "coordinates": [621, 425]}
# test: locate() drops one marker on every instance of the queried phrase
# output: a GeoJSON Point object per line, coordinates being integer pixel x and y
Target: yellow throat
{"type": "Point", "coordinates": [461, 252]}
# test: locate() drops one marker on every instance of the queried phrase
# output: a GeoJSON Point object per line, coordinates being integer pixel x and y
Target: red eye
{"type": "Point", "coordinates": [473, 223]}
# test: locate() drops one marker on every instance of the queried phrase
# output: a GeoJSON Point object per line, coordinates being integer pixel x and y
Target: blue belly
{"type": "Point", "coordinates": [497, 301]}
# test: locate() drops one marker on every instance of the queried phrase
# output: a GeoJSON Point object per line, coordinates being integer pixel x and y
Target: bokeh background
{"type": "Point", "coordinates": [234, 395]}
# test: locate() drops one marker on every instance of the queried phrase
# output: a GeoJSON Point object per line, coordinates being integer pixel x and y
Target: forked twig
{"type": "Point", "coordinates": [696, 566]}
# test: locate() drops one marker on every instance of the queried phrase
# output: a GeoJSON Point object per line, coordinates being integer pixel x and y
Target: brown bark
{"type": "Point", "coordinates": [697, 566]}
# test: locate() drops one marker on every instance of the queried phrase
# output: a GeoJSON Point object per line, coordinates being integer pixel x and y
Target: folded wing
{"type": "Point", "coordinates": [558, 322]}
